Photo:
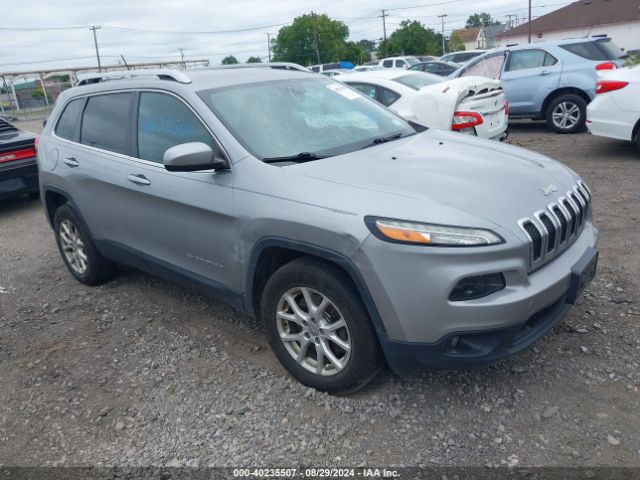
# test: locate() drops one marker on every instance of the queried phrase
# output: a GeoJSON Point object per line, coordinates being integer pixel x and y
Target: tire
{"type": "Point", "coordinates": [77, 249]}
{"type": "Point", "coordinates": [570, 109]}
{"type": "Point", "coordinates": [309, 278]}
{"type": "Point", "coordinates": [637, 140]}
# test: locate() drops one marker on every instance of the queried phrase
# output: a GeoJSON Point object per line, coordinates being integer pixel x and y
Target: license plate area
{"type": "Point", "coordinates": [582, 273]}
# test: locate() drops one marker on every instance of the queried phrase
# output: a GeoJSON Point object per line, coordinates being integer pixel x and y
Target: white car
{"type": "Point", "coordinates": [366, 68]}
{"type": "Point", "coordinates": [473, 105]}
{"type": "Point", "coordinates": [615, 112]}
{"type": "Point", "coordinates": [398, 62]}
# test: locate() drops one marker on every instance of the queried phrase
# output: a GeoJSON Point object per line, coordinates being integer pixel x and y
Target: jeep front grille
{"type": "Point", "coordinates": [552, 230]}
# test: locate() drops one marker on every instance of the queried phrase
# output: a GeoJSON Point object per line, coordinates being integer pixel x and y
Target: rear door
{"type": "Point", "coordinates": [529, 76]}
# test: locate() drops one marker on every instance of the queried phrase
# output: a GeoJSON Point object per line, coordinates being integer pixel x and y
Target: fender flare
{"type": "Point", "coordinates": [321, 252]}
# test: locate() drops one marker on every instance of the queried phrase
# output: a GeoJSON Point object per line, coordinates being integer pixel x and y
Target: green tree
{"type": "Point", "coordinates": [481, 20]}
{"type": "Point", "coordinates": [368, 46]}
{"type": "Point", "coordinates": [229, 60]}
{"type": "Point", "coordinates": [412, 38]}
{"type": "Point", "coordinates": [37, 92]}
{"type": "Point", "coordinates": [254, 60]}
{"type": "Point", "coordinates": [354, 52]}
{"type": "Point", "coordinates": [455, 42]}
{"type": "Point", "coordinates": [311, 39]}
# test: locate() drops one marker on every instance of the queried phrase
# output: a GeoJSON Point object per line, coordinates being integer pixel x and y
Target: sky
{"type": "Point", "coordinates": [47, 34]}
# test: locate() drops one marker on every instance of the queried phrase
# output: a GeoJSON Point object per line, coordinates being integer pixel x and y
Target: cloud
{"type": "Point", "coordinates": [29, 50]}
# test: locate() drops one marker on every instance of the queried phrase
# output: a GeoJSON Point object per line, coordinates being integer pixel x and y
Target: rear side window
{"type": "Point", "coordinates": [525, 59]}
{"type": "Point", "coordinates": [387, 97]}
{"type": "Point", "coordinates": [364, 88]}
{"type": "Point", "coordinates": [595, 50]}
{"type": "Point", "coordinates": [66, 126]}
{"type": "Point", "coordinates": [105, 123]}
{"type": "Point", "coordinates": [387, 63]}
{"type": "Point", "coordinates": [164, 122]}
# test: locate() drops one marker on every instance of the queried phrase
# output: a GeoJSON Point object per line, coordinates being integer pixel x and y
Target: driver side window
{"type": "Point", "coordinates": [164, 122]}
{"type": "Point", "coordinates": [490, 67]}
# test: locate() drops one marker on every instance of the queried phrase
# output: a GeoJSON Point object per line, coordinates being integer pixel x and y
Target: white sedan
{"type": "Point", "coordinates": [615, 112]}
{"type": "Point", "coordinates": [473, 105]}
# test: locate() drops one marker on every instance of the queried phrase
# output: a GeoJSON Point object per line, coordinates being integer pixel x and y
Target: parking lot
{"type": "Point", "coordinates": [142, 372]}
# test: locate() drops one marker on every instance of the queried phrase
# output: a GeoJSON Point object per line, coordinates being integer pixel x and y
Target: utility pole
{"type": "Point", "coordinates": [269, 45]}
{"type": "Point", "coordinates": [384, 24]}
{"type": "Point", "coordinates": [315, 36]}
{"type": "Point", "coordinates": [529, 24]}
{"type": "Point", "coordinates": [125, 62]}
{"type": "Point", "coordinates": [184, 66]}
{"type": "Point", "coordinates": [442, 18]}
{"type": "Point", "coordinates": [510, 15]}
{"type": "Point", "coordinates": [95, 41]}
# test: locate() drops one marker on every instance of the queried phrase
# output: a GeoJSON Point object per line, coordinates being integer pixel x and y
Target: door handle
{"type": "Point", "coordinates": [544, 72]}
{"type": "Point", "coordinates": [72, 162]}
{"type": "Point", "coordinates": [139, 179]}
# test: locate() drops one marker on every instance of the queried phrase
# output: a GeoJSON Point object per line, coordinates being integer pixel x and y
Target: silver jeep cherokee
{"type": "Point", "coordinates": [355, 236]}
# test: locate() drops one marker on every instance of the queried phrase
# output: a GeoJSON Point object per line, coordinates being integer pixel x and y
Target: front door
{"type": "Point", "coordinates": [529, 76]}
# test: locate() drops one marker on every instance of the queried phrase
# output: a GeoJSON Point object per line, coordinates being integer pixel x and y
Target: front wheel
{"type": "Point", "coordinates": [566, 113]}
{"type": "Point", "coordinates": [318, 327]}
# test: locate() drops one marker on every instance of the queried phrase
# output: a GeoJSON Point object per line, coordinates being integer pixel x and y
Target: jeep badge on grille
{"type": "Point", "coordinates": [549, 189]}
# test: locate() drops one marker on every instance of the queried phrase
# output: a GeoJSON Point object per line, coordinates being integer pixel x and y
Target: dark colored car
{"type": "Point", "coordinates": [436, 67]}
{"type": "Point", "coordinates": [18, 169]}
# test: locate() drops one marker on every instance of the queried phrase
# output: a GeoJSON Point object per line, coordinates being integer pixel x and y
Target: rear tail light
{"type": "Point", "coordinates": [604, 86]}
{"type": "Point", "coordinates": [462, 120]}
{"type": "Point", "coordinates": [606, 66]}
{"type": "Point", "coordinates": [17, 155]}
{"type": "Point", "coordinates": [506, 107]}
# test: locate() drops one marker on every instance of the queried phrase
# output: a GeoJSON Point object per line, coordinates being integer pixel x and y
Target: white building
{"type": "Point", "coordinates": [616, 19]}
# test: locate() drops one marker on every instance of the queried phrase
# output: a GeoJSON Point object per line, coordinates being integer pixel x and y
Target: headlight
{"type": "Point", "coordinates": [401, 231]}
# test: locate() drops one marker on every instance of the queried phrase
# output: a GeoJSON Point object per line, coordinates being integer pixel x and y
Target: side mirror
{"type": "Point", "coordinates": [192, 157]}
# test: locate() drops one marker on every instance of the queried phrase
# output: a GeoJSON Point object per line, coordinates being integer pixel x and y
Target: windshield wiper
{"type": "Point", "coordinates": [389, 138]}
{"type": "Point", "coordinates": [300, 157]}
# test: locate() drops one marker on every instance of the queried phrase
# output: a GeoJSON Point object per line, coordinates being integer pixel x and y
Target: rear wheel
{"type": "Point", "coordinates": [77, 249]}
{"type": "Point", "coordinates": [566, 113]}
{"type": "Point", "coordinates": [637, 140]}
{"type": "Point", "coordinates": [318, 327]}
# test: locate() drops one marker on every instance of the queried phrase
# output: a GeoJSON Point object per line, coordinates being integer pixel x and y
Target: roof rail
{"type": "Point", "coordinates": [274, 65]}
{"type": "Point", "coordinates": [160, 74]}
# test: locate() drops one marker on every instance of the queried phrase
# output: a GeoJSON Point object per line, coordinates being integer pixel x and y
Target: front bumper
{"type": "Point", "coordinates": [18, 177]}
{"type": "Point", "coordinates": [469, 350]}
{"type": "Point", "coordinates": [421, 323]}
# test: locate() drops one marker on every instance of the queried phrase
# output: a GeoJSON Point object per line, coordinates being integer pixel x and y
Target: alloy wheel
{"type": "Point", "coordinates": [566, 115]}
{"type": "Point", "coordinates": [73, 247]}
{"type": "Point", "coordinates": [313, 331]}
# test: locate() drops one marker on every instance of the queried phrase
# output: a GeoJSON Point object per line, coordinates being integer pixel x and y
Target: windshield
{"type": "Point", "coordinates": [284, 118]}
{"type": "Point", "coordinates": [412, 60]}
{"type": "Point", "coordinates": [418, 80]}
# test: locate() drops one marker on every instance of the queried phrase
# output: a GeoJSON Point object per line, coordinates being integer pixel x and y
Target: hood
{"type": "Point", "coordinates": [496, 182]}
{"type": "Point", "coordinates": [434, 105]}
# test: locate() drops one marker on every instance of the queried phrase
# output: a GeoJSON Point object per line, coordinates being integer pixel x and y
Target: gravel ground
{"type": "Point", "coordinates": [142, 372]}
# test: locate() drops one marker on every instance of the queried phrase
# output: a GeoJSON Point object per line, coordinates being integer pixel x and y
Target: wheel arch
{"type": "Point", "coordinates": [271, 253]}
{"type": "Point", "coordinates": [636, 132]}
{"type": "Point", "coordinates": [563, 91]}
{"type": "Point", "coordinates": [54, 198]}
